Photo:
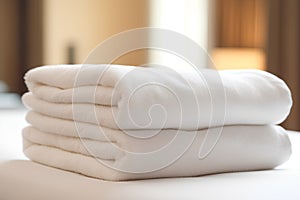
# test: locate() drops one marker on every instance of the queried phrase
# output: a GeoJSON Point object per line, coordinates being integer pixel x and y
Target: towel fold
{"type": "Point", "coordinates": [239, 148]}
{"type": "Point", "coordinates": [101, 150]}
{"type": "Point", "coordinates": [158, 98]}
{"type": "Point", "coordinates": [70, 128]}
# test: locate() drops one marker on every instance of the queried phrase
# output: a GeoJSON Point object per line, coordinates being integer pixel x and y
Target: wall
{"type": "Point", "coordinates": [85, 23]}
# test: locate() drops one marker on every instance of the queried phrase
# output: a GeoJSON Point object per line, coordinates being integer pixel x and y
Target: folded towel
{"type": "Point", "coordinates": [240, 148]}
{"type": "Point", "coordinates": [155, 98]}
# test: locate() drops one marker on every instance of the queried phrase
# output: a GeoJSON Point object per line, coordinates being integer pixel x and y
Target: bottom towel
{"type": "Point", "coordinates": [170, 153]}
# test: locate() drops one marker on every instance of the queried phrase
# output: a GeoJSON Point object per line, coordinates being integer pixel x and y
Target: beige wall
{"type": "Point", "coordinates": [85, 23]}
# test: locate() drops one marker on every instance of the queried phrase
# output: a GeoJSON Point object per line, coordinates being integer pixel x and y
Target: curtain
{"type": "Point", "coordinates": [283, 50]}
{"type": "Point", "coordinates": [240, 23]}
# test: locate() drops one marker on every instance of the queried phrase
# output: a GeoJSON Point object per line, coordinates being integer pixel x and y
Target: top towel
{"type": "Point", "coordinates": [156, 98]}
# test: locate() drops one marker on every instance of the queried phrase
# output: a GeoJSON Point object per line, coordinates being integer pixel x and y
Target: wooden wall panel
{"type": "Point", "coordinates": [21, 40]}
{"type": "Point", "coordinates": [9, 43]}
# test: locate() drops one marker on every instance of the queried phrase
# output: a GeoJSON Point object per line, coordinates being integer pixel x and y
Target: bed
{"type": "Point", "coordinates": [21, 179]}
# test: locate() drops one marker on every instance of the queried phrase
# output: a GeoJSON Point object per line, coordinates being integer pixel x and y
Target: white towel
{"type": "Point", "coordinates": [156, 98]}
{"type": "Point", "coordinates": [240, 148]}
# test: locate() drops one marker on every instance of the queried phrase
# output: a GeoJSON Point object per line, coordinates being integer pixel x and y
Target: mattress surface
{"type": "Point", "coordinates": [25, 180]}
{"type": "Point", "coordinates": [21, 179]}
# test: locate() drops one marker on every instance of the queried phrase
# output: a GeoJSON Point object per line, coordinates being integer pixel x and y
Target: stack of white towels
{"type": "Point", "coordinates": [122, 122]}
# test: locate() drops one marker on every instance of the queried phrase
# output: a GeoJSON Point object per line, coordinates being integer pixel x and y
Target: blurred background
{"type": "Point", "coordinates": [238, 34]}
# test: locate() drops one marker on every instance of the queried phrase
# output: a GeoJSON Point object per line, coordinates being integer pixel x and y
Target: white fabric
{"type": "Point", "coordinates": [155, 98]}
{"type": "Point", "coordinates": [101, 150]}
{"type": "Point", "coordinates": [239, 148]}
{"type": "Point", "coordinates": [123, 123]}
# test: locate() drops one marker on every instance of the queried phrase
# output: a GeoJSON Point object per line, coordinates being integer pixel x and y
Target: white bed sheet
{"type": "Point", "coordinates": [21, 179]}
